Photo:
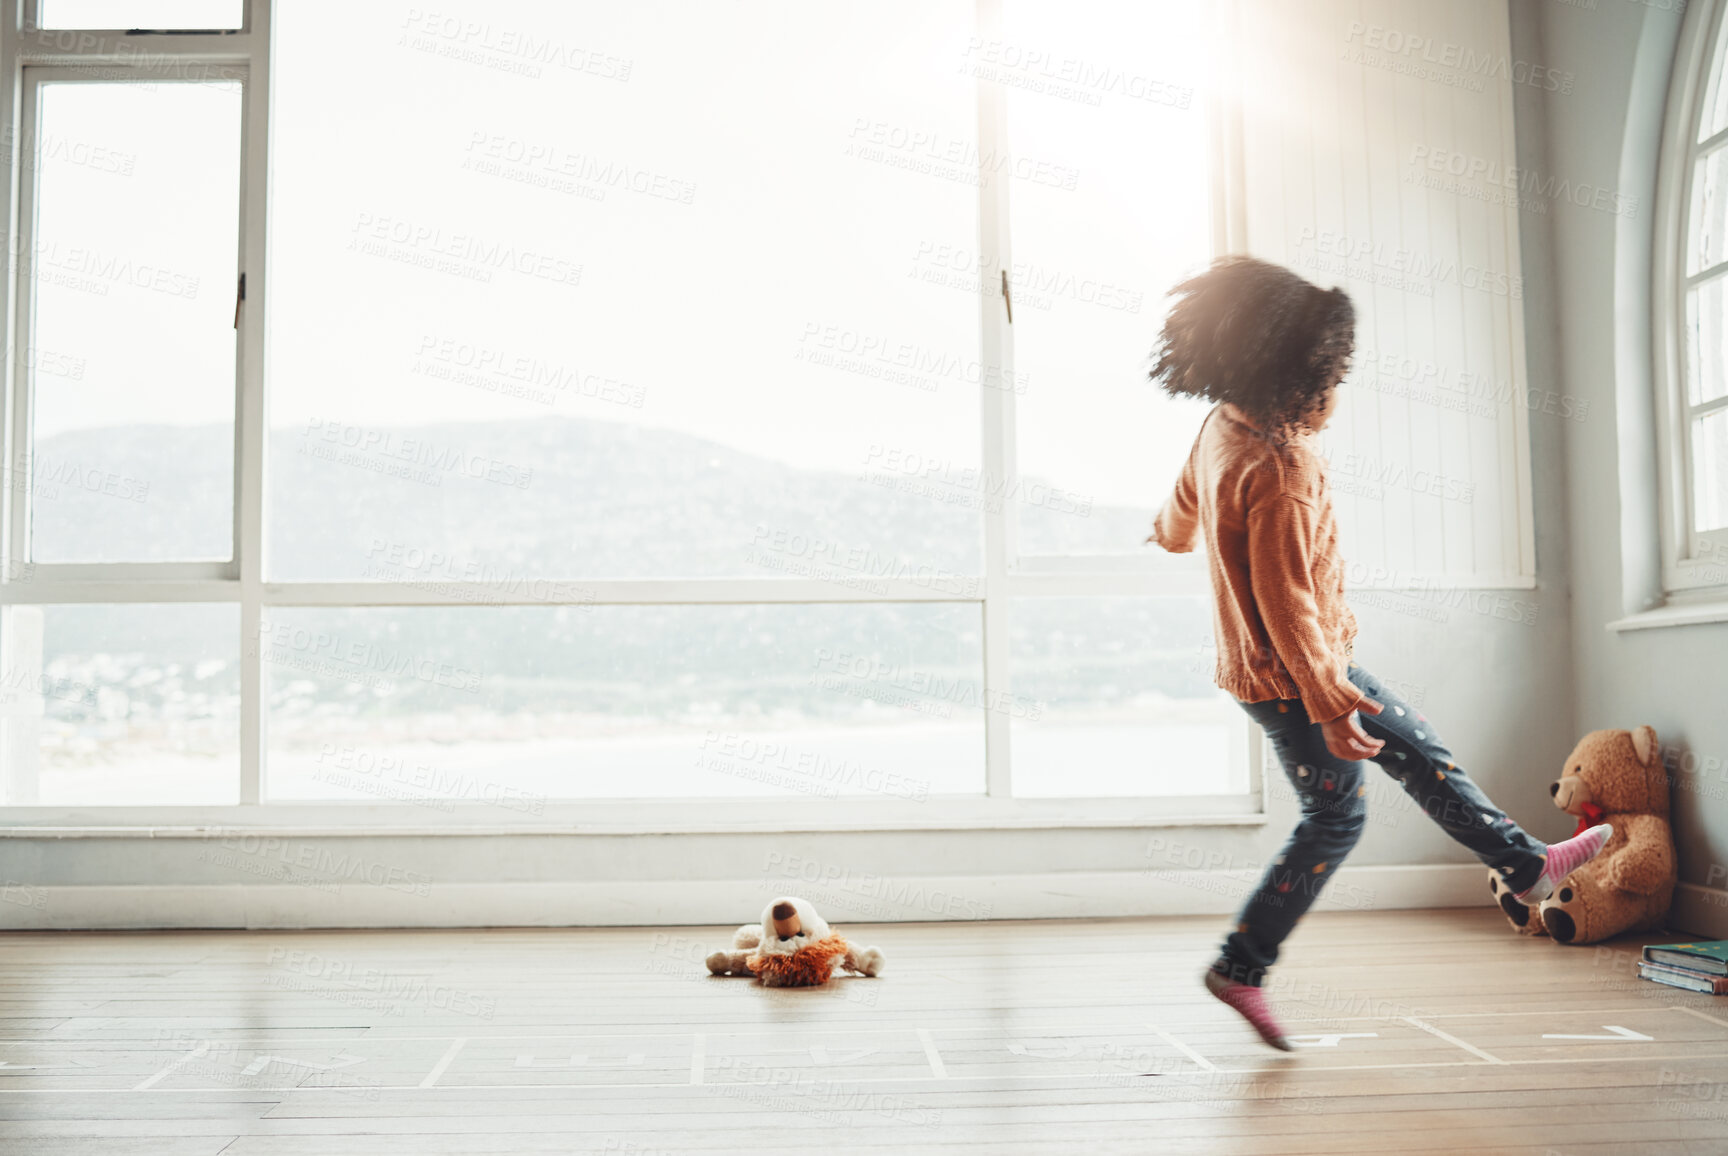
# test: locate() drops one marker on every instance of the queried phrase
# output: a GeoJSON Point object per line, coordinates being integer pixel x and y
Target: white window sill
{"type": "Point", "coordinates": [1673, 614]}
{"type": "Point", "coordinates": [751, 817]}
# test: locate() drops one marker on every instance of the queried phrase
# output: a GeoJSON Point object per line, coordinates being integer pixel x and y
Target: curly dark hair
{"type": "Point", "coordinates": [1256, 334]}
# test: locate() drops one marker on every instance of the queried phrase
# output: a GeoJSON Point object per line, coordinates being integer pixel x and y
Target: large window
{"type": "Point", "coordinates": [529, 405]}
{"type": "Point", "coordinates": [1693, 299]}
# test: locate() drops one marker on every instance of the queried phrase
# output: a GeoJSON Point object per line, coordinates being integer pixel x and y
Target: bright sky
{"type": "Point", "coordinates": [141, 13]}
{"type": "Point", "coordinates": [760, 222]}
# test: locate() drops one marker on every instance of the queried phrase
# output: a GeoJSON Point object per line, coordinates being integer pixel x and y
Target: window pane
{"type": "Point", "coordinates": [1113, 206]}
{"type": "Point", "coordinates": [1710, 472]}
{"type": "Point", "coordinates": [1707, 341]}
{"type": "Point", "coordinates": [1123, 700]}
{"type": "Point", "coordinates": [133, 266]}
{"type": "Point", "coordinates": [517, 705]}
{"type": "Point", "coordinates": [635, 289]}
{"type": "Point", "coordinates": [1713, 114]}
{"type": "Point", "coordinates": [1709, 212]}
{"type": "Point", "coordinates": [153, 15]}
{"type": "Point", "coordinates": [108, 705]}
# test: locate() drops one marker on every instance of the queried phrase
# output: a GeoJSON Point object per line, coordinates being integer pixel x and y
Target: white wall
{"type": "Point", "coordinates": [1374, 130]}
{"type": "Point", "coordinates": [1591, 288]}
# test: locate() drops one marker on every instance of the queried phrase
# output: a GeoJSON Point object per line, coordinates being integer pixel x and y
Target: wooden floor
{"type": "Point", "coordinates": [1420, 1032]}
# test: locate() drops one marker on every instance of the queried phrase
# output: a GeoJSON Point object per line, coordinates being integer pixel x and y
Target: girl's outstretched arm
{"type": "Point", "coordinates": [1177, 526]}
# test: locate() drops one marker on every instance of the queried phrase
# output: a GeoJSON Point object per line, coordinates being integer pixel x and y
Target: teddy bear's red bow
{"type": "Point", "coordinates": [1592, 815]}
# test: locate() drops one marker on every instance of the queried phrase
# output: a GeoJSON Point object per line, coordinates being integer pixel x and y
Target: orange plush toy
{"type": "Point", "coordinates": [1610, 777]}
{"type": "Point", "coordinates": [792, 947]}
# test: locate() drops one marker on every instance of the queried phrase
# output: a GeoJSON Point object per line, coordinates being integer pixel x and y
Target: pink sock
{"type": "Point", "coordinates": [1565, 858]}
{"type": "Point", "coordinates": [1249, 1003]}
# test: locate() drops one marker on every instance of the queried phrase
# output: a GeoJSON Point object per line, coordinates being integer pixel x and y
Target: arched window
{"type": "Point", "coordinates": [1692, 303]}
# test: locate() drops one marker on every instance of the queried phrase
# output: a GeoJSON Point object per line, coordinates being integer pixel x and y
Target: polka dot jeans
{"type": "Point", "coordinates": [1334, 808]}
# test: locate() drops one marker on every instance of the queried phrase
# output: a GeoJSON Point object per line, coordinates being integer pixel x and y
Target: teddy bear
{"type": "Point", "coordinates": [1612, 777]}
{"type": "Point", "coordinates": [792, 947]}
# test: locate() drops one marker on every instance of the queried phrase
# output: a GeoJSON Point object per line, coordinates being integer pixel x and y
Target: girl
{"type": "Point", "coordinates": [1270, 349]}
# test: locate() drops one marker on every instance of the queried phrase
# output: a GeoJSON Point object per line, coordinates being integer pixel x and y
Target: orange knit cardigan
{"type": "Point", "coordinates": [1278, 612]}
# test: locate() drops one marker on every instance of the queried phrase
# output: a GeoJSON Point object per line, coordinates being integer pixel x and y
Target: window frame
{"type": "Point", "coordinates": [1694, 564]}
{"type": "Point", "coordinates": [22, 399]}
{"type": "Point", "coordinates": [1006, 576]}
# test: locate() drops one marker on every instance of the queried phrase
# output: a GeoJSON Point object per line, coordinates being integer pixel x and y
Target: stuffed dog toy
{"type": "Point", "coordinates": [792, 947]}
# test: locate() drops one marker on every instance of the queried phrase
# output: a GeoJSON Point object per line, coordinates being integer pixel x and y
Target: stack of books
{"type": "Point", "coordinates": [1693, 966]}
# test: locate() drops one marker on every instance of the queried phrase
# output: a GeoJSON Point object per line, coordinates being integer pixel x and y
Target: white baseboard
{"type": "Point", "coordinates": [1700, 911]}
{"type": "Point", "coordinates": [872, 899]}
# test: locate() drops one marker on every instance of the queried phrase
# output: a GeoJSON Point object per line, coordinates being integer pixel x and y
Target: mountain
{"type": "Point", "coordinates": [557, 497]}
{"type": "Point", "coordinates": [512, 504]}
